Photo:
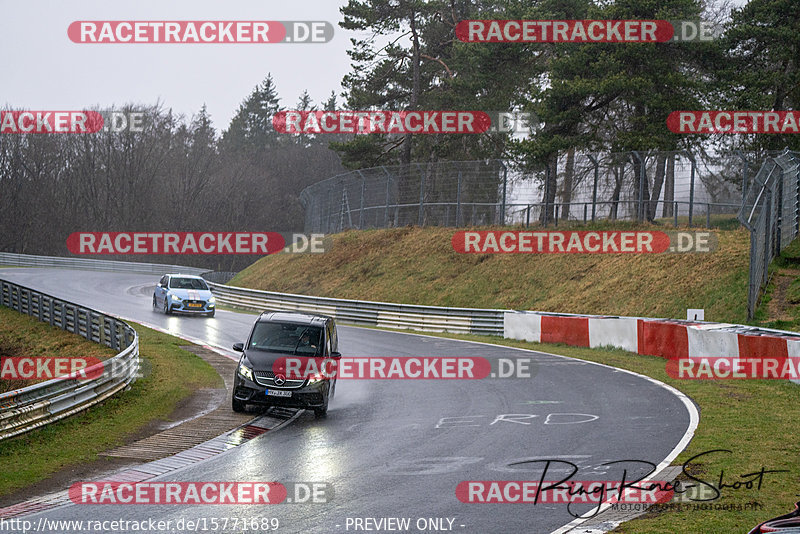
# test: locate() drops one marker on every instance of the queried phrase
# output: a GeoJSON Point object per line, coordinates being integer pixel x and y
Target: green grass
{"type": "Point", "coordinates": [22, 336]}
{"type": "Point", "coordinates": [418, 266]}
{"type": "Point", "coordinates": [756, 419]}
{"type": "Point", "coordinates": [172, 375]}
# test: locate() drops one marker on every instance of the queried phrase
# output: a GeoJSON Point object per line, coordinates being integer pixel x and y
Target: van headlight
{"type": "Point", "coordinates": [246, 372]}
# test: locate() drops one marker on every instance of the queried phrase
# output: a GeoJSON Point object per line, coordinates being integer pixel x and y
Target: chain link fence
{"type": "Point", "coordinates": [452, 193]}
{"type": "Point", "coordinates": [771, 211]}
{"type": "Point", "coordinates": [575, 186]}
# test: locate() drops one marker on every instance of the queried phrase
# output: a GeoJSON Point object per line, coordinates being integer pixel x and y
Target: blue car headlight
{"type": "Point", "coordinates": [176, 298]}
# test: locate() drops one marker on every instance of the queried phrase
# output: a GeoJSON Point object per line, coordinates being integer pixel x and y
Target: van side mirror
{"type": "Point", "coordinates": [336, 355]}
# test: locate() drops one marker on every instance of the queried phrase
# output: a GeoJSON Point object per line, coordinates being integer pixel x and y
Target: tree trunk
{"type": "Point", "coordinates": [566, 192]}
{"type": "Point", "coordinates": [550, 189]}
{"type": "Point", "coordinates": [658, 182]}
{"type": "Point", "coordinates": [669, 187]}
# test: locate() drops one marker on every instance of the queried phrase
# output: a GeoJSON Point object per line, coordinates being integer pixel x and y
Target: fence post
{"type": "Point", "coordinates": [386, 208]}
{"type": "Point", "coordinates": [691, 186]}
{"type": "Point", "coordinates": [505, 185]}
{"type": "Point", "coordinates": [421, 194]}
{"type": "Point", "coordinates": [594, 188]}
{"type": "Point", "coordinates": [767, 236]}
{"type": "Point", "coordinates": [744, 173]}
{"type": "Point", "coordinates": [708, 215]}
{"type": "Point", "coordinates": [458, 200]}
{"type": "Point", "coordinates": [546, 212]}
{"type": "Point", "coordinates": [779, 233]}
{"type": "Point", "coordinates": [675, 212]}
{"type": "Point", "coordinates": [528, 217]}
{"type": "Point", "coordinates": [640, 200]}
{"type": "Point", "coordinates": [361, 203]}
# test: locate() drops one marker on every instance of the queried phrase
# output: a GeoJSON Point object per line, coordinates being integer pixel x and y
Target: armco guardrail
{"type": "Point", "coordinates": [24, 409]}
{"type": "Point", "coordinates": [27, 260]}
{"type": "Point", "coordinates": [425, 318]}
{"type": "Point", "coordinates": [667, 338]}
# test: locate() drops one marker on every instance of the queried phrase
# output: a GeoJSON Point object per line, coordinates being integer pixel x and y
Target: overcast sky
{"type": "Point", "coordinates": [43, 70]}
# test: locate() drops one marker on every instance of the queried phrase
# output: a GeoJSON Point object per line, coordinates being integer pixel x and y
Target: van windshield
{"type": "Point", "coordinates": [287, 338]}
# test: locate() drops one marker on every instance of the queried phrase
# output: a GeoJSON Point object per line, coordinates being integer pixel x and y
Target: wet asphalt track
{"type": "Point", "coordinates": [393, 448]}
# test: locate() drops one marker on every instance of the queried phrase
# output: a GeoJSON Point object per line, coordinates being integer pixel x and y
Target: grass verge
{"type": "Point", "coordinates": [172, 375]}
{"type": "Point", "coordinates": [415, 265]}
{"type": "Point", "coordinates": [755, 419]}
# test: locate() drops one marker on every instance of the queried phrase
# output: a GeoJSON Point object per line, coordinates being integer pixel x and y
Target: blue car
{"type": "Point", "coordinates": [184, 293]}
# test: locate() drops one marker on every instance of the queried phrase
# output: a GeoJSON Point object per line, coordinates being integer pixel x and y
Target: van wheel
{"type": "Point", "coordinates": [321, 412]}
{"type": "Point", "coordinates": [237, 405]}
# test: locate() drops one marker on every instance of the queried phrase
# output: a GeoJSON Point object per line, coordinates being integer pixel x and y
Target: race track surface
{"type": "Point", "coordinates": [399, 448]}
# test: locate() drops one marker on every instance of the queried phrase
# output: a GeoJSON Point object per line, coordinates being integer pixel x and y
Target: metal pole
{"type": "Point", "coordinates": [767, 236]}
{"type": "Point", "coordinates": [675, 212]}
{"type": "Point", "coordinates": [361, 203]}
{"type": "Point", "coordinates": [386, 208]}
{"type": "Point", "coordinates": [528, 217]}
{"type": "Point", "coordinates": [640, 200]}
{"type": "Point", "coordinates": [546, 191]}
{"type": "Point", "coordinates": [708, 215]}
{"type": "Point", "coordinates": [421, 194]}
{"type": "Point", "coordinates": [458, 201]}
{"type": "Point", "coordinates": [780, 213]}
{"type": "Point", "coordinates": [555, 220]}
{"type": "Point", "coordinates": [745, 173]}
{"type": "Point", "coordinates": [691, 186]}
{"type": "Point", "coordinates": [594, 189]}
{"type": "Point", "coordinates": [505, 185]}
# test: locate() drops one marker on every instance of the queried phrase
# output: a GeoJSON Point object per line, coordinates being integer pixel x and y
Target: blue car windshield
{"type": "Point", "coordinates": [286, 338]}
{"type": "Point", "coordinates": [178, 282]}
